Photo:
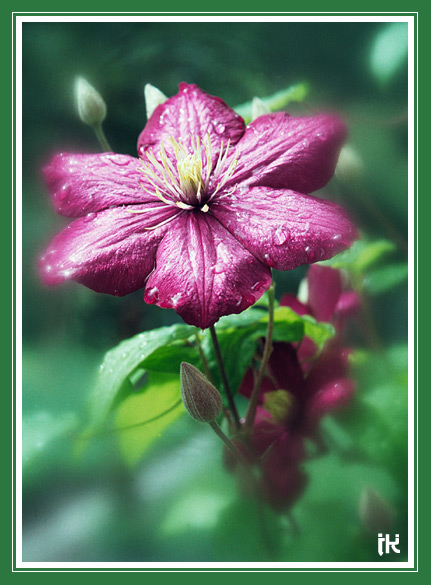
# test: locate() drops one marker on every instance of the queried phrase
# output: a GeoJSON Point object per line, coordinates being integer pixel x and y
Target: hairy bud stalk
{"type": "Point", "coordinates": [201, 400]}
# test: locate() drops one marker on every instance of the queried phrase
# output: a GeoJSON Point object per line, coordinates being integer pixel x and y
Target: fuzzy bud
{"type": "Point", "coordinates": [91, 106]}
{"type": "Point", "coordinates": [350, 165]}
{"type": "Point", "coordinates": [201, 400]}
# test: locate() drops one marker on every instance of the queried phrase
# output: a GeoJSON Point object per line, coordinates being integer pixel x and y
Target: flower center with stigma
{"type": "Point", "coordinates": [188, 179]}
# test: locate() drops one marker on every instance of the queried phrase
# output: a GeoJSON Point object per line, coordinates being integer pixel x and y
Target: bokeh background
{"type": "Point", "coordinates": [176, 504]}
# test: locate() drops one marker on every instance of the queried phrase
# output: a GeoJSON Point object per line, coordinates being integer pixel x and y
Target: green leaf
{"type": "Point", "coordinates": [113, 382]}
{"type": "Point", "coordinates": [167, 358]}
{"type": "Point", "coordinates": [237, 346]}
{"type": "Point", "coordinates": [141, 418]}
{"type": "Point", "coordinates": [361, 256]}
{"type": "Point", "coordinates": [276, 101]}
{"type": "Point", "coordinates": [385, 278]}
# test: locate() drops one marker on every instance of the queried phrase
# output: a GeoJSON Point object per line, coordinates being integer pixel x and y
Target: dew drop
{"type": "Point", "coordinates": [118, 159]}
{"type": "Point", "coordinates": [90, 216]}
{"type": "Point", "coordinates": [219, 127]}
{"type": "Point", "coordinates": [281, 235]}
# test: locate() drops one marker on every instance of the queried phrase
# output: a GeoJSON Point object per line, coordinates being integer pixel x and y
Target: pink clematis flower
{"type": "Point", "coordinates": [206, 211]}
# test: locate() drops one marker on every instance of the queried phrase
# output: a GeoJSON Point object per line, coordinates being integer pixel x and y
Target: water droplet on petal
{"type": "Point", "coordinates": [219, 127]}
{"type": "Point", "coordinates": [90, 216]}
{"type": "Point", "coordinates": [281, 235]}
{"type": "Point", "coordinates": [118, 159]}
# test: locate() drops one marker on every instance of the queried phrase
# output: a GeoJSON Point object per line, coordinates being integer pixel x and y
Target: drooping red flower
{"type": "Point", "coordinates": [205, 212]}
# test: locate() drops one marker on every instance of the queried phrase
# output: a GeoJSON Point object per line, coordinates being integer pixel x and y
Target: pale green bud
{"type": "Point", "coordinates": [258, 108]}
{"type": "Point", "coordinates": [91, 106]}
{"type": "Point", "coordinates": [349, 165]}
{"type": "Point", "coordinates": [153, 98]}
{"type": "Point", "coordinates": [201, 400]}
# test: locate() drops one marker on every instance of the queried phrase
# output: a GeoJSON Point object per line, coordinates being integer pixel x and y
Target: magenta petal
{"type": "Point", "coordinates": [191, 111]}
{"type": "Point", "coordinates": [289, 300]}
{"type": "Point", "coordinates": [334, 395]}
{"type": "Point", "coordinates": [324, 290]}
{"type": "Point", "coordinates": [203, 272]}
{"type": "Point", "coordinates": [282, 228]}
{"type": "Point", "coordinates": [348, 303]}
{"type": "Point", "coordinates": [331, 365]}
{"type": "Point", "coordinates": [114, 261]}
{"type": "Point", "coordinates": [282, 151]}
{"type": "Point", "coordinates": [285, 369]}
{"type": "Point", "coordinates": [83, 183]}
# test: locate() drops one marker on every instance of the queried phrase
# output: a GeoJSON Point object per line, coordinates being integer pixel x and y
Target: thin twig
{"type": "Point", "coordinates": [254, 399]}
{"type": "Point", "coordinates": [224, 377]}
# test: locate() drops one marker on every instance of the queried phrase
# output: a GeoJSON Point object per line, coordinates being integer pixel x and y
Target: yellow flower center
{"type": "Point", "coordinates": [184, 182]}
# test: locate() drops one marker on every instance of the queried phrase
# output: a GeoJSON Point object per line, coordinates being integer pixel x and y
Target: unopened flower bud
{"type": "Point", "coordinates": [349, 165]}
{"type": "Point", "coordinates": [153, 98]}
{"type": "Point", "coordinates": [91, 106]}
{"type": "Point", "coordinates": [376, 514]}
{"type": "Point", "coordinates": [202, 401]}
{"type": "Point", "coordinates": [280, 404]}
{"type": "Point", "coordinates": [258, 108]}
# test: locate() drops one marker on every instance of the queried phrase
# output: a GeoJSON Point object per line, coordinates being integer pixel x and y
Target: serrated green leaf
{"type": "Point", "coordinates": [385, 278]}
{"type": "Point", "coordinates": [141, 418]}
{"type": "Point", "coordinates": [123, 360]}
{"type": "Point", "coordinates": [276, 101]}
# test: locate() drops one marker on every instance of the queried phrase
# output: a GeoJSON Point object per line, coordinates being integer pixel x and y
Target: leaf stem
{"type": "Point", "coordinates": [224, 377]}
{"type": "Point", "coordinates": [267, 350]}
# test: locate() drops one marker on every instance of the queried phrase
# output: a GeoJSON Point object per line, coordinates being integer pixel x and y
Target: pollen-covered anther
{"type": "Point", "coordinates": [184, 181]}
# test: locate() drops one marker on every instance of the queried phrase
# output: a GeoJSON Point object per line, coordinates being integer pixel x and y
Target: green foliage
{"type": "Point", "coordinates": [122, 384]}
{"type": "Point", "coordinates": [361, 256]}
{"type": "Point", "coordinates": [375, 428]}
{"type": "Point", "coordinates": [142, 417]}
{"type": "Point", "coordinates": [385, 278]}
{"type": "Point", "coordinates": [362, 264]}
{"type": "Point", "coordinates": [114, 384]}
{"type": "Point", "coordinates": [276, 101]}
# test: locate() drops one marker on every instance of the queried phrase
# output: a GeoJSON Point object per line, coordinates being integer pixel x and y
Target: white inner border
{"type": "Point", "coordinates": [17, 181]}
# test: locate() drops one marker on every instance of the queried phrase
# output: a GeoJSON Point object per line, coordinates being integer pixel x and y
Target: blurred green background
{"type": "Point", "coordinates": [176, 505]}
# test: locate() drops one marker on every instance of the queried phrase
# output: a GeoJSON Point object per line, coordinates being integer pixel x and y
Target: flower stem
{"type": "Point", "coordinates": [204, 359]}
{"type": "Point", "coordinates": [100, 135]}
{"type": "Point", "coordinates": [254, 399]}
{"type": "Point", "coordinates": [234, 450]}
{"type": "Point", "coordinates": [224, 378]}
